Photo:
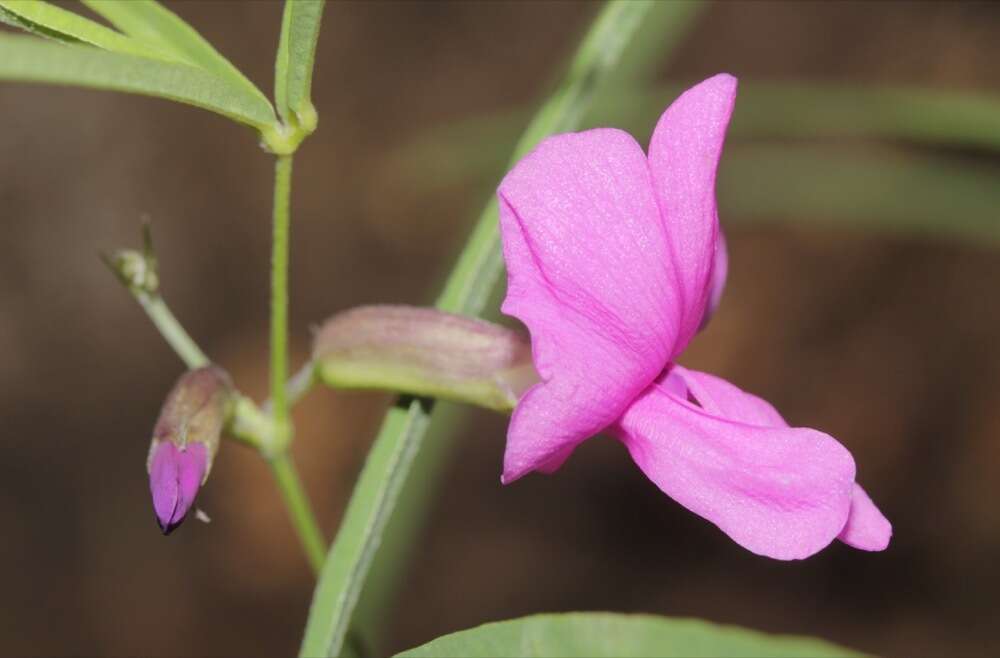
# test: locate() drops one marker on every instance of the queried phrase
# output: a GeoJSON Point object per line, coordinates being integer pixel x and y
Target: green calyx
{"type": "Point", "coordinates": [425, 352]}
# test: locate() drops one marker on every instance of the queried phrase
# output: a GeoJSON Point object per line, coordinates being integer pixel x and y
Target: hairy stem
{"type": "Point", "coordinates": [279, 288]}
{"type": "Point", "coordinates": [285, 474]}
{"type": "Point", "coordinates": [170, 328]}
{"type": "Point", "coordinates": [299, 509]}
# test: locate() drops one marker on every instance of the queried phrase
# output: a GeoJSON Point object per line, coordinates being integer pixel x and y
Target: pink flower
{"type": "Point", "coordinates": [615, 259]}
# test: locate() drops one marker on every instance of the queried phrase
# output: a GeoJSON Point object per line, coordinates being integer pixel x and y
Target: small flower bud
{"type": "Point", "coordinates": [135, 270]}
{"type": "Point", "coordinates": [425, 352]}
{"type": "Point", "coordinates": [185, 440]}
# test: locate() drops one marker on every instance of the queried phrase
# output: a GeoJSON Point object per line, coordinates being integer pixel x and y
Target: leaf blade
{"type": "Point", "coordinates": [915, 195]}
{"type": "Point", "coordinates": [968, 119]}
{"type": "Point", "coordinates": [45, 19]}
{"type": "Point", "coordinates": [150, 22]}
{"type": "Point", "coordinates": [607, 635]}
{"type": "Point", "coordinates": [29, 59]}
{"type": "Point", "coordinates": [294, 64]}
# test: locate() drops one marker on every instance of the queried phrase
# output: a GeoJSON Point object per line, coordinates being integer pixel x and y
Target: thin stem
{"type": "Point", "coordinates": [281, 461]}
{"type": "Point", "coordinates": [300, 510]}
{"type": "Point", "coordinates": [170, 328]}
{"type": "Point", "coordinates": [279, 289]}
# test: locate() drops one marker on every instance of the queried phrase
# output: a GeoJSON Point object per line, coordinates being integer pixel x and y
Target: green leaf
{"type": "Point", "coordinates": [599, 635]}
{"type": "Point", "coordinates": [926, 115]}
{"type": "Point", "coordinates": [13, 20]}
{"type": "Point", "coordinates": [830, 111]}
{"type": "Point", "coordinates": [48, 20]}
{"type": "Point", "coordinates": [294, 65]}
{"type": "Point", "coordinates": [655, 41]}
{"type": "Point", "coordinates": [475, 148]}
{"type": "Point", "coordinates": [29, 59]}
{"type": "Point", "coordinates": [919, 193]}
{"type": "Point", "coordinates": [151, 23]}
{"type": "Point", "coordinates": [467, 291]}
{"type": "Point", "coordinates": [912, 194]}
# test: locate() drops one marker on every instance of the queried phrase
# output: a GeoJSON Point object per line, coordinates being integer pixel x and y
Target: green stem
{"type": "Point", "coordinates": [171, 330]}
{"type": "Point", "coordinates": [279, 289]}
{"type": "Point", "coordinates": [285, 474]}
{"type": "Point", "coordinates": [300, 510]}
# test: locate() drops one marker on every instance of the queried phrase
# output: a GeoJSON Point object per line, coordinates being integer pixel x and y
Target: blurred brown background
{"type": "Point", "coordinates": [887, 343]}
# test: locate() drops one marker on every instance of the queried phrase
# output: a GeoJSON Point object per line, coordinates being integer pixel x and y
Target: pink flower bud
{"type": "Point", "coordinates": [185, 440]}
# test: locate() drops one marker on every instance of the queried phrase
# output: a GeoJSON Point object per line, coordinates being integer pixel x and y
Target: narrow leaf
{"type": "Point", "coordinates": [600, 635]}
{"type": "Point", "coordinates": [467, 291]}
{"type": "Point", "coordinates": [832, 111]}
{"type": "Point", "coordinates": [655, 41]}
{"type": "Point", "coordinates": [46, 19]}
{"type": "Point", "coordinates": [475, 148]}
{"type": "Point", "coordinates": [151, 23]}
{"type": "Point", "coordinates": [29, 59]}
{"type": "Point", "coordinates": [13, 20]}
{"type": "Point", "coordinates": [294, 65]}
{"type": "Point", "coordinates": [910, 194]}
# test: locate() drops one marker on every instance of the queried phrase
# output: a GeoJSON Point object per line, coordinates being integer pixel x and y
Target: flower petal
{"type": "Point", "coordinates": [717, 280]}
{"type": "Point", "coordinates": [720, 398]}
{"type": "Point", "coordinates": [777, 491]}
{"type": "Point", "coordinates": [175, 475]}
{"type": "Point", "coordinates": [590, 274]}
{"type": "Point", "coordinates": [684, 154]}
{"type": "Point", "coordinates": [866, 528]}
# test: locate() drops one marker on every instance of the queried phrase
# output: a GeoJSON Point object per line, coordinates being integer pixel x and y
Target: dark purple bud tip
{"type": "Point", "coordinates": [175, 474]}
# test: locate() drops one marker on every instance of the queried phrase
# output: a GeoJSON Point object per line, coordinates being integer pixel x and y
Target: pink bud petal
{"type": "Point", "coordinates": [175, 474]}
